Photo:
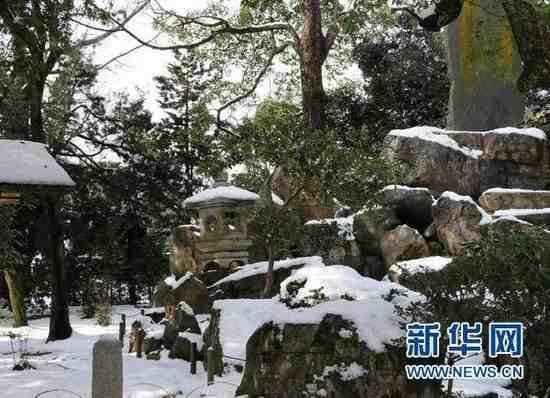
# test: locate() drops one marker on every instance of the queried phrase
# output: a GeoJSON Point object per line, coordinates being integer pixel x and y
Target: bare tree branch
{"type": "Point", "coordinates": [251, 90]}
{"type": "Point", "coordinates": [118, 28]}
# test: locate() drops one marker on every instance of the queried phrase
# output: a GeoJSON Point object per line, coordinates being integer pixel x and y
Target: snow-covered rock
{"type": "Point", "coordinates": [469, 162]}
{"type": "Point", "coordinates": [421, 265]}
{"type": "Point", "coordinates": [458, 219]}
{"type": "Point", "coordinates": [248, 281]}
{"type": "Point", "coordinates": [497, 199]}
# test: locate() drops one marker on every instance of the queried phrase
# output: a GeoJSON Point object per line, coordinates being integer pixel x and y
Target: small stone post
{"type": "Point", "coordinates": [123, 320]}
{"type": "Point", "coordinates": [107, 369]}
{"type": "Point", "coordinates": [139, 342]}
{"type": "Point", "coordinates": [121, 333]}
{"type": "Point", "coordinates": [209, 365]}
{"type": "Point", "coordinates": [193, 358]}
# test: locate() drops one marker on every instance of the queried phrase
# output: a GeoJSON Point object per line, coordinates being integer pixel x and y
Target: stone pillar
{"type": "Point", "coordinates": [107, 369]}
{"type": "Point", "coordinates": [484, 67]}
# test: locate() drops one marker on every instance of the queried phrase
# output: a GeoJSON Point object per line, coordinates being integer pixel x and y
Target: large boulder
{"type": "Point", "coordinates": [403, 243]}
{"type": "Point", "coordinates": [413, 206]}
{"type": "Point", "coordinates": [503, 198]}
{"type": "Point", "coordinates": [334, 335]}
{"type": "Point", "coordinates": [184, 321]}
{"type": "Point", "coordinates": [458, 219]}
{"type": "Point", "coordinates": [324, 359]}
{"type": "Point", "coordinates": [188, 288]}
{"type": "Point", "coordinates": [470, 162]}
{"type": "Point", "coordinates": [249, 280]}
{"type": "Point", "coordinates": [370, 225]}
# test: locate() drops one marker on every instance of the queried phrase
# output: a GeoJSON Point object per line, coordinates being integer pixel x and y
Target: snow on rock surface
{"type": "Point", "coordinates": [261, 268]}
{"type": "Point", "coordinates": [436, 135]}
{"type": "Point", "coordinates": [520, 212]}
{"type": "Point", "coordinates": [29, 163]}
{"type": "Point", "coordinates": [426, 264]}
{"type": "Point", "coordinates": [372, 312]}
{"type": "Point", "coordinates": [221, 194]}
{"type": "Point", "coordinates": [334, 281]}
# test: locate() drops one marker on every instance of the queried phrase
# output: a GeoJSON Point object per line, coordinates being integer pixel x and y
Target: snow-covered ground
{"type": "Point", "coordinates": [66, 365]}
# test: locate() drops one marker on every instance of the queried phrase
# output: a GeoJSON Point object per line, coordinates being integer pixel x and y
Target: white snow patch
{"type": "Point", "coordinates": [193, 338]}
{"type": "Point", "coordinates": [532, 132]}
{"type": "Point", "coordinates": [223, 193]}
{"type": "Point", "coordinates": [485, 217]}
{"type": "Point", "coordinates": [346, 373]}
{"type": "Point", "coordinates": [29, 163]}
{"type": "Point", "coordinates": [426, 264]}
{"type": "Point", "coordinates": [277, 199]}
{"type": "Point", "coordinates": [514, 190]}
{"type": "Point", "coordinates": [186, 308]}
{"type": "Point", "coordinates": [436, 135]}
{"type": "Point", "coordinates": [175, 283]}
{"type": "Point", "coordinates": [521, 212]}
{"type": "Point", "coordinates": [344, 226]}
{"type": "Point", "coordinates": [334, 280]}
{"type": "Point", "coordinates": [249, 270]}
{"type": "Point", "coordinates": [404, 187]}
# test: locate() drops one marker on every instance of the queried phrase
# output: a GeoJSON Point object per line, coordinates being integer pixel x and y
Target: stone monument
{"type": "Point", "coordinates": [484, 68]}
{"type": "Point", "coordinates": [107, 368]}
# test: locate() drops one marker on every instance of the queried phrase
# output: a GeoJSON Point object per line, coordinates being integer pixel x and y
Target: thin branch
{"type": "Point", "coordinates": [118, 28]}
{"type": "Point", "coordinates": [251, 90]}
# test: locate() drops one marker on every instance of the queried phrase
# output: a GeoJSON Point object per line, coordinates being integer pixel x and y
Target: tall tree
{"type": "Point", "coordinates": [40, 34]}
{"type": "Point", "coordinates": [264, 29]}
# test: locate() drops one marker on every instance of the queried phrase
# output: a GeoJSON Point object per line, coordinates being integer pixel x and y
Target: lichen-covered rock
{"type": "Point", "coordinates": [184, 321]}
{"type": "Point", "coordinates": [323, 359]}
{"type": "Point", "coordinates": [458, 219]}
{"type": "Point", "coordinates": [188, 288]}
{"type": "Point", "coordinates": [502, 199]}
{"type": "Point", "coordinates": [413, 206]}
{"type": "Point", "coordinates": [403, 243]}
{"type": "Point", "coordinates": [370, 225]}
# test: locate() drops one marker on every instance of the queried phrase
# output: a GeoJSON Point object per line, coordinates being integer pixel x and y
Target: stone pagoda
{"type": "Point", "coordinates": [224, 211]}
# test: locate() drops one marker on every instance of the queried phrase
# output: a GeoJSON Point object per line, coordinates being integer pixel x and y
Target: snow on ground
{"type": "Point", "coordinates": [249, 270]}
{"type": "Point", "coordinates": [26, 162]}
{"type": "Point", "coordinates": [67, 365]}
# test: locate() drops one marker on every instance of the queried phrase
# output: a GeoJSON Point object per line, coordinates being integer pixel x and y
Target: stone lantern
{"type": "Point", "coordinates": [224, 211]}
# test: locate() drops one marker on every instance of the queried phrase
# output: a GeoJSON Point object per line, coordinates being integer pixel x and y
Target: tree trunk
{"type": "Point", "coordinates": [17, 301]}
{"type": "Point", "coordinates": [60, 326]}
{"type": "Point", "coordinates": [269, 276]}
{"type": "Point", "coordinates": [131, 256]}
{"type": "Point", "coordinates": [36, 94]}
{"type": "Point", "coordinates": [312, 55]}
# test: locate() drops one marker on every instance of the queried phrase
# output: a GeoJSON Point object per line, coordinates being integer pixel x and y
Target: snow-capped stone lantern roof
{"type": "Point", "coordinates": [224, 212]}
{"type": "Point", "coordinates": [221, 194]}
{"type": "Point", "coordinates": [28, 166]}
